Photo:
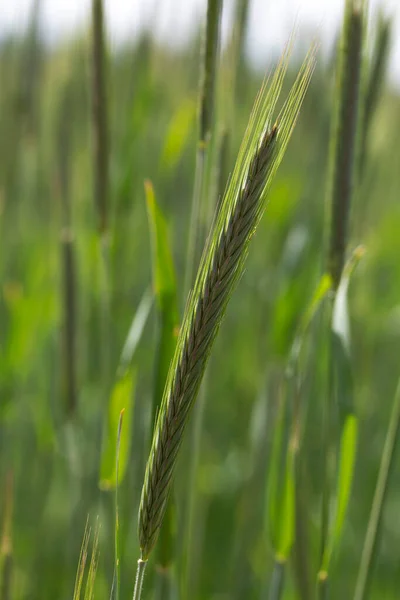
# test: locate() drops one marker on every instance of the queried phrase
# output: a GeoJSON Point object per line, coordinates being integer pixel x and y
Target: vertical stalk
{"type": "Point", "coordinates": [141, 567]}
{"type": "Point", "coordinates": [100, 122]}
{"type": "Point", "coordinates": [101, 177]}
{"type": "Point", "coordinates": [69, 354]}
{"type": "Point", "coordinates": [209, 57]}
{"type": "Point", "coordinates": [209, 54]}
{"type": "Point", "coordinates": [368, 557]}
{"type": "Point", "coordinates": [277, 581]}
{"type": "Point", "coordinates": [343, 157]}
{"type": "Point", "coordinates": [6, 554]}
{"type": "Point", "coordinates": [374, 85]}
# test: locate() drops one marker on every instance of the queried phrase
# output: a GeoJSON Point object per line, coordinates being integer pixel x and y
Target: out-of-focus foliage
{"type": "Point", "coordinates": [55, 462]}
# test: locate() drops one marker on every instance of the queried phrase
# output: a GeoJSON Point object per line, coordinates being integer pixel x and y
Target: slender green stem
{"type": "Point", "coordinates": [340, 197]}
{"type": "Point", "coordinates": [374, 84]}
{"type": "Point", "coordinates": [141, 567]}
{"type": "Point", "coordinates": [322, 585]}
{"type": "Point", "coordinates": [209, 51]}
{"type": "Point", "coordinates": [369, 552]}
{"type": "Point", "coordinates": [327, 437]}
{"type": "Point", "coordinates": [277, 581]}
{"type": "Point", "coordinates": [100, 120]}
{"type": "Point", "coordinates": [194, 217]}
{"type": "Point", "coordinates": [67, 242]}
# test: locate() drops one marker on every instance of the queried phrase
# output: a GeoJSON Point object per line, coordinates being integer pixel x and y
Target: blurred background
{"type": "Point", "coordinates": [72, 276]}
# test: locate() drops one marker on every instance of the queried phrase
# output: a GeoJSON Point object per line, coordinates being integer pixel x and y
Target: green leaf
{"type": "Point", "coordinates": [121, 399]}
{"type": "Point", "coordinates": [287, 517]}
{"type": "Point", "coordinates": [281, 488]}
{"type": "Point", "coordinates": [178, 133]}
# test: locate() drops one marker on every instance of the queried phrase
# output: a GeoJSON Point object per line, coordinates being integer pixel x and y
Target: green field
{"type": "Point", "coordinates": [85, 135]}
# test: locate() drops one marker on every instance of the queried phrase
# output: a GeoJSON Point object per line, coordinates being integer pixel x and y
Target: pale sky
{"type": "Point", "coordinates": [173, 21]}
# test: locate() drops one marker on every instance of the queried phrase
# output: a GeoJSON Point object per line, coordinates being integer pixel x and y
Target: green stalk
{"type": "Point", "coordinates": [209, 56]}
{"type": "Point", "coordinates": [374, 85]}
{"type": "Point", "coordinates": [100, 120]}
{"type": "Point", "coordinates": [370, 549]}
{"type": "Point", "coordinates": [101, 178]}
{"type": "Point", "coordinates": [69, 350]}
{"type": "Point", "coordinates": [277, 581]}
{"type": "Point", "coordinates": [141, 567]}
{"type": "Point", "coordinates": [6, 550]}
{"type": "Point", "coordinates": [340, 194]}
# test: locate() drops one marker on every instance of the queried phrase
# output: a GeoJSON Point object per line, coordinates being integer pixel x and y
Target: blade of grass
{"type": "Point", "coordinates": [122, 397]}
{"type": "Point", "coordinates": [370, 549]}
{"type": "Point", "coordinates": [115, 592]}
{"type": "Point", "coordinates": [69, 309]}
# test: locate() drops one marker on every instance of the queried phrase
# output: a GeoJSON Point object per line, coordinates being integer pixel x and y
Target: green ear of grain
{"type": "Point", "coordinates": [221, 266]}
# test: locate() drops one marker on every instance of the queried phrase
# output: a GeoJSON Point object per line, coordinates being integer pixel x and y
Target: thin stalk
{"type": "Point", "coordinates": [6, 549]}
{"type": "Point", "coordinates": [374, 85]}
{"type": "Point", "coordinates": [209, 55]}
{"type": "Point", "coordinates": [322, 585]}
{"type": "Point", "coordinates": [69, 329]}
{"type": "Point", "coordinates": [239, 34]}
{"type": "Point", "coordinates": [327, 441]}
{"type": "Point", "coordinates": [101, 178]}
{"type": "Point", "coordinates": [116, 531]}
{"type": "Point", "coordinates": [277, 581]}
{"type": "Point", "coordinates": [340, 195]}
{"type": "Point", "coordinates": [69, 309]}
{"type": "Point", "coordinates": [100, 120]}
{"type": "Point", "coordinates": [369, 553]}
{"type": "Point", "coordinates": [141, 567]}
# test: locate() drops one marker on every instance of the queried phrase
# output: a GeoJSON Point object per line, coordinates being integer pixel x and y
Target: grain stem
{"type": "Point", "coordinates": [209, 55]}
{"type": "Point", "coordinates": [141, 567]}
{"type": "Point", "coordinates": [369, 553]}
